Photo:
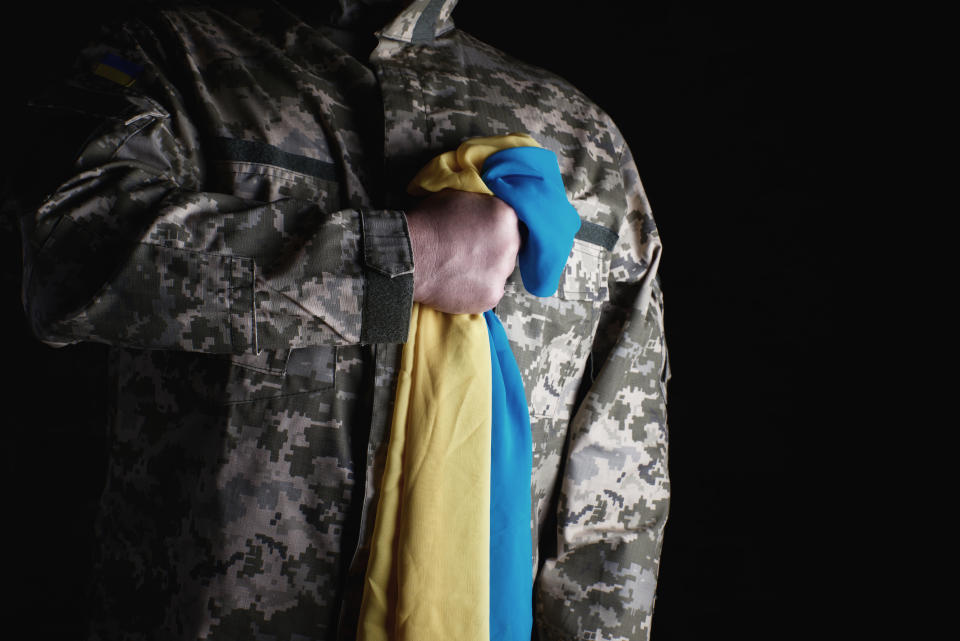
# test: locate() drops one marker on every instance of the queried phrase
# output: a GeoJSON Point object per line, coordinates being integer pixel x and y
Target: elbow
{"type": "Point", "coordinates": [56, 295]}
{"type": "Point", "coordinates": [45, 321]}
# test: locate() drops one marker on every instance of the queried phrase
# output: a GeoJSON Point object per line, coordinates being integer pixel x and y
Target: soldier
{"type": "Point", "coordinates": [235, 227]}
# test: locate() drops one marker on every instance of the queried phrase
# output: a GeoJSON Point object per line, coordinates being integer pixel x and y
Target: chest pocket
{"type": "Point", "coordinates": [551, 337]}
{"type": "Point", "coordinates": [585, 274]}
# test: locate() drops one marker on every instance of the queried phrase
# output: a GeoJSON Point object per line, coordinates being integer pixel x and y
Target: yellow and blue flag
{"type": "Point", "coordinates": [121, 71]}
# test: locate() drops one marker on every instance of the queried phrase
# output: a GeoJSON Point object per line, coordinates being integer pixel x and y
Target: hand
{"type": "Point", "coordinates": [464, 248]}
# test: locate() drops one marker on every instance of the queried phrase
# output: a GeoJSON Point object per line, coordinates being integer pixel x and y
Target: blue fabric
{"type": "Point", "coordinates": [528, 179]}
{"type": "Point", "coordinates": [132, 69]}
{"type": "Point", "coordinates": [511, 465]}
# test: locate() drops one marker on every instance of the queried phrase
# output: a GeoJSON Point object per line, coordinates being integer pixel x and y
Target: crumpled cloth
{"type": "Point", "coordinates": [451, 556]}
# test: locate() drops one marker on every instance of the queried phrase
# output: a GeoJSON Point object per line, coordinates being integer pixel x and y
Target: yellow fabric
{"type": "Point", "coordinates": [428, 577]}
{"type": "Point", "coordinates": [432, 532]}
{"type": "Point", "coordinates": [460, 169]}
{"type": "Point", "coordinates": [115, 75]}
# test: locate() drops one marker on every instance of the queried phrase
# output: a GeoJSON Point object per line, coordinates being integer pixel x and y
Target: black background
{"type": "Point", "coordinates": [731, 113]}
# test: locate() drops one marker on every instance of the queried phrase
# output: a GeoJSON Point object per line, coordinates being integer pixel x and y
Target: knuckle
{"type": "Point", "coordinates": [502, 212]}
{"type": "Point", "coordinates": [505, 228]}
{"type": "Point", "coordinates": [508, 269]}
{"type": "Point", "coordinates": [492, 295]}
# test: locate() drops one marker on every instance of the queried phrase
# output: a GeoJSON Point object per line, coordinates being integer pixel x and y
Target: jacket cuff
{"type": "Point", "coordinates": [388, 261]}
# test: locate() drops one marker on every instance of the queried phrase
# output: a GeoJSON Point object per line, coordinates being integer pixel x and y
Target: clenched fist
{"type": "Point", "coordinates": [464, 248]}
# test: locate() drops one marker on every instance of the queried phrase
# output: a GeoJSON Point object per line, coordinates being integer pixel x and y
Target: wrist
{"type": "Point", "coordinates": [423, 244]}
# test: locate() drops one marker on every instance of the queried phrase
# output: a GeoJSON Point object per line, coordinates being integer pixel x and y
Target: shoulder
{"type": "Point", "coordinates": [562, 107]}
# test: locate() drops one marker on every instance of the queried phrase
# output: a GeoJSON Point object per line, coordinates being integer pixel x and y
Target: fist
{"type": "Point", "coordinates": [464, 248]}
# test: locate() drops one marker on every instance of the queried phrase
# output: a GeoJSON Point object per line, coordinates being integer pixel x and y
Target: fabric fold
{"type": "Point", "coordinates": [511, 464]}
{"type": "Point", "coordinates": [428, 574]}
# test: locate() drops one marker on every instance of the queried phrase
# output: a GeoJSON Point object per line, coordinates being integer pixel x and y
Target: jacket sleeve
{"type": "Point", "coordinates": [614, 490]}
{"type": "Point", "coordinates": [130, 250]}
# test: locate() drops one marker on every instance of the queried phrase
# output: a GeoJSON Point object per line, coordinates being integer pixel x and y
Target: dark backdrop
{"type": "Point", "coordinates": [729, 112]}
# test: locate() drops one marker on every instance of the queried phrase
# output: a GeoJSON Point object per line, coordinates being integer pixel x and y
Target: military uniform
{"type": "Point", "coordinates": [233, 228]}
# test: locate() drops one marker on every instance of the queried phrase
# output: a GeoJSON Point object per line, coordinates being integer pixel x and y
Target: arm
{"type": "Point", "coordinates": [131, 250]}
{"type": "Point", "coordinates": [614, 491]}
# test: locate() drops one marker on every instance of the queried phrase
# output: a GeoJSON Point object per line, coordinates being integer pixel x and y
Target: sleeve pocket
{"type": "Point", "coordinates": [281, 373]}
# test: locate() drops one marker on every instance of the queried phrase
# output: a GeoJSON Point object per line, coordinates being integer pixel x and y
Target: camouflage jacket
{"type": "Point", "coordinates": [232, 226]}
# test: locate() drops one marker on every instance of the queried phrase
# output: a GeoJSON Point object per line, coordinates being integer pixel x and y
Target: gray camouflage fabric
{"type": "Point", "coordinates": [233, 228]}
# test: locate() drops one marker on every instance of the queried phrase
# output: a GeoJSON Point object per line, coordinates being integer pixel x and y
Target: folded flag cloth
{"type": "Point", "coordinates": [451, 556]}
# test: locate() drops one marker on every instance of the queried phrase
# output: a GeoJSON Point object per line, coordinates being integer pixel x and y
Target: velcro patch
{"type": "Point", "coordinates": [121, 71]}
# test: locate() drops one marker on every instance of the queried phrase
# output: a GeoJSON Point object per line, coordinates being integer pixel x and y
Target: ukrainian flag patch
{"type": "Point", "coordinates": [121, 71]}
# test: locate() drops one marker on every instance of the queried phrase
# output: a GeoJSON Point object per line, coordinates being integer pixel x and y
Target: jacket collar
{"type": "Point", "coordinates": [420, 22]}
{"type": "Point", "coordinates": [414, 22]}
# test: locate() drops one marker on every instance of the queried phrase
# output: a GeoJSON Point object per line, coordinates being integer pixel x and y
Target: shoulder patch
{"type": "Point", "coordinates": [119, 70]}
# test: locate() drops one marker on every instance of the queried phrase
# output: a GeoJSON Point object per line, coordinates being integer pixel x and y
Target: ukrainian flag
{"type": "Point", "coordinates": [113, 67]}
{"type": "Point", "coordinates": [451, 555]}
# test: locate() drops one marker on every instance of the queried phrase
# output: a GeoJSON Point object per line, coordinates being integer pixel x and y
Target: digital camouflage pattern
{"type": "Point", "coordinates": [233, 228]}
